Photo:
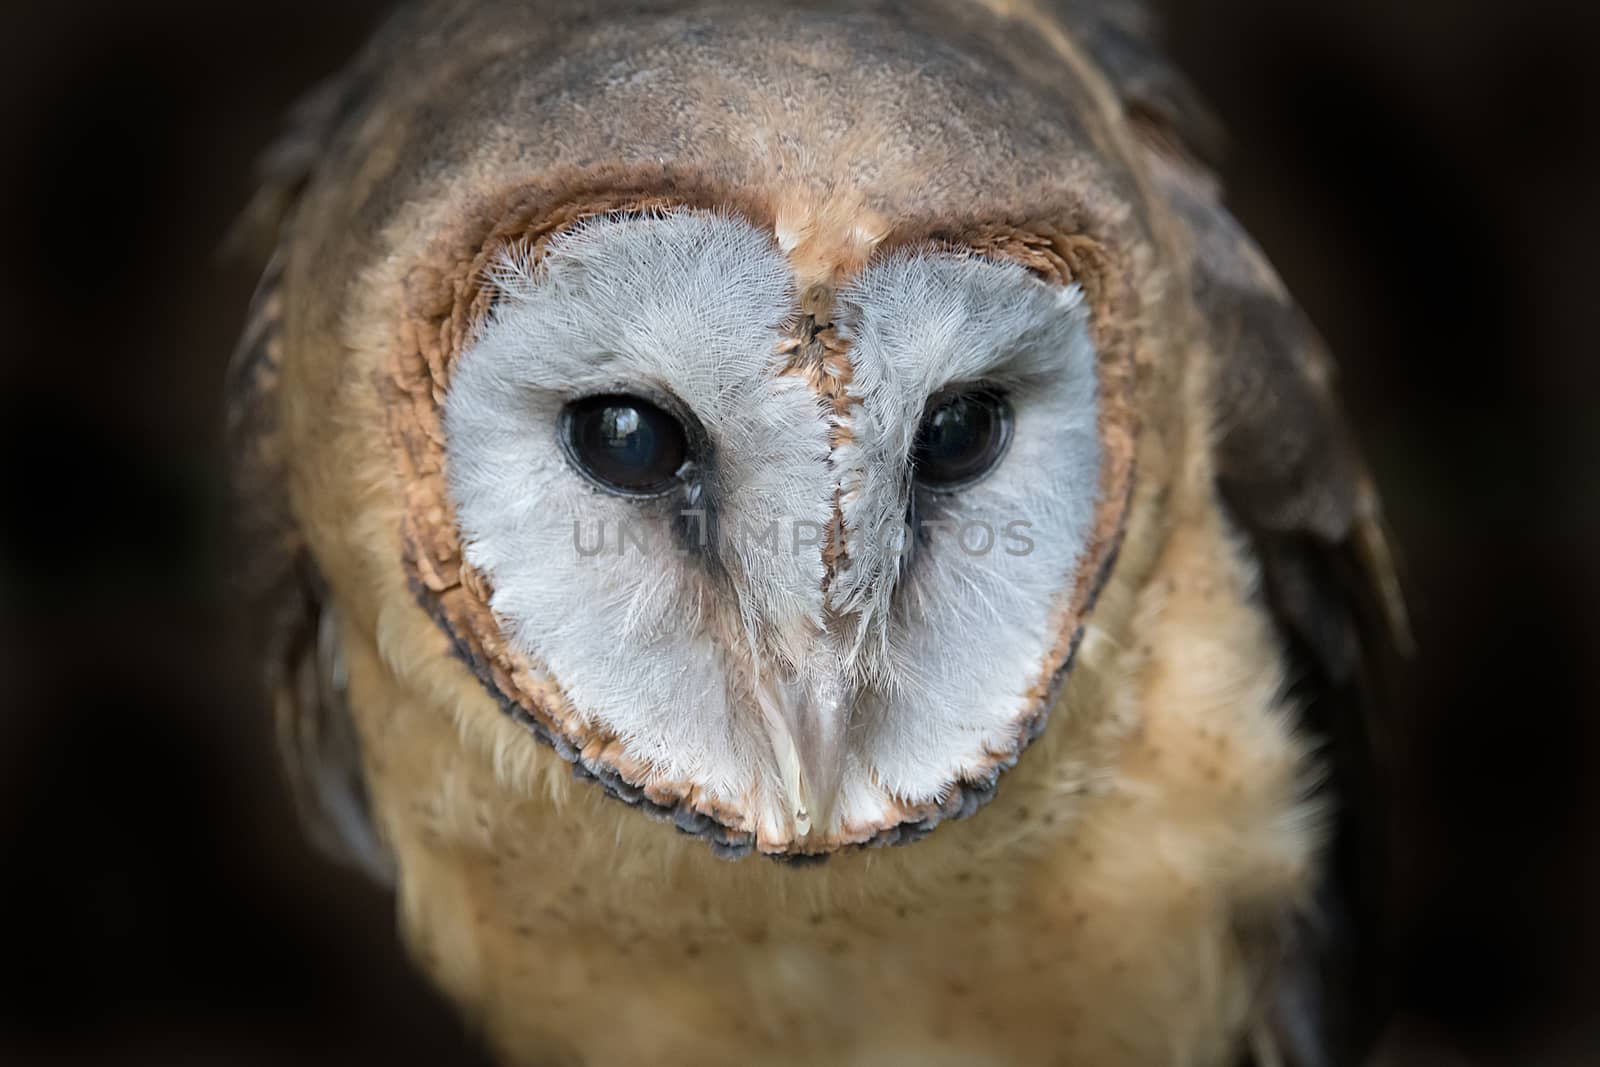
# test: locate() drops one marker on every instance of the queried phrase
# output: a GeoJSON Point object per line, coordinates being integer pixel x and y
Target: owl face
{"type": "Point", "coordinates": [794, 565]}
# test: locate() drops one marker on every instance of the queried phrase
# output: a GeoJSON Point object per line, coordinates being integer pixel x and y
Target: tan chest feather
{"type": "Point", "coordinates": [1088, 917]}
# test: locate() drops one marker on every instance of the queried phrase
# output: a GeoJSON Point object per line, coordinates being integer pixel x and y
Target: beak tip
{"type": "Point", "coordinates": [807, 735]}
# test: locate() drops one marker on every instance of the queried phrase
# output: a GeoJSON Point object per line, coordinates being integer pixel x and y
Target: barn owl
{"type": "Point", "coordinates": [805, 533]}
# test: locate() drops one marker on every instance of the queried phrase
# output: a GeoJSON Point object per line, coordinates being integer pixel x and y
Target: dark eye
{"type": "Point", "coordinates": [624, 444]}
{"type": "Point", "coordinates": [962, 438]}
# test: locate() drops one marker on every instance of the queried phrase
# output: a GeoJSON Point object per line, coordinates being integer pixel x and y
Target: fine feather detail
{"type": "Point", "coordinates": [668, 653]}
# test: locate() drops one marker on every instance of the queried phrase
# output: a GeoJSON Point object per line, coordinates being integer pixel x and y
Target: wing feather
{"type": "Point", "coordinates": [1293, 481]}
{"type": "Point", "coordinates": [289, 617]}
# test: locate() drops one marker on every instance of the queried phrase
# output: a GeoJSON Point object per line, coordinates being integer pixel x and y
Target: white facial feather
{"type": "Point", "coordinates": [670, 648]}
{"type": "Point", "coordinates": [687, 305]}
{"type": "Point", "coordinates": [953, 647]}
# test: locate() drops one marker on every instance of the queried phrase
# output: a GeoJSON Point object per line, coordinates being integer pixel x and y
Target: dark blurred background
{"type": "Point", "coordinates": [1423, 173]}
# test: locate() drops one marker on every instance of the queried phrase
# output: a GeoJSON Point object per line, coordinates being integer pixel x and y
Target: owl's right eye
{"type": "Point", "coordinates": [624, 444]}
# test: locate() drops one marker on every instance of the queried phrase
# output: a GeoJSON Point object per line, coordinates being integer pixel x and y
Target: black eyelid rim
{"type": "Point", "coordinates": [697, 450]}
{"type": "Point", "coordinates": [946, 393]}
{"type": "Point", "coordinates": [982, 387]}
{"type": "Point", "coordinates": [654, 393]}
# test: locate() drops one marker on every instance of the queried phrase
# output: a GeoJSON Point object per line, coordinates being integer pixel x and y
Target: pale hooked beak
{"type": "Point", "coordinates": [807, 719]}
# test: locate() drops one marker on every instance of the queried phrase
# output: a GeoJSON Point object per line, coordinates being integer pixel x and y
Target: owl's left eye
{"type": "Point", "coordinates": [624, 444]}
{"type": "Point", "coordinates": [962, 438]}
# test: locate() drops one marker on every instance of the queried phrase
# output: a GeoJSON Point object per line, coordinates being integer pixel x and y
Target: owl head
{"type": "Point", "coordinates": [765, 468]}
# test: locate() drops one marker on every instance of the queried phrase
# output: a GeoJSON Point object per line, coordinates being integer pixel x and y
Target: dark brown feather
{"type": "Point", "coordinates": [289, 622]}
{"type": "Point", "coordinates": [1291, 478]}
{"type": "Point", "coordinates": [1123, 38]}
